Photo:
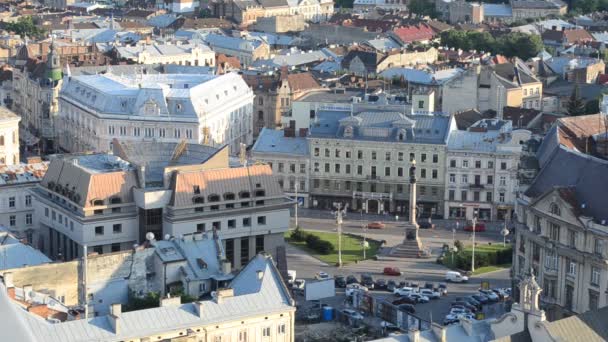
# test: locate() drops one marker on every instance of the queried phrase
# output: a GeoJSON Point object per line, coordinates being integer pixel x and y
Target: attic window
{"type": "Point", "coordinates": [115, 200]}
{"type": "Point", "coordinates": [186, 86]}
{"type": "Point", "coordinates": [258, 185]}
{"type": "Point", "coordinates": [214, 198]}
{"type": "Point", "coordinates": [244, 194]}
{"type": "Point", "coordinates": [97, 202]}
{"type": "Point", "coordinates": [179, 106]}
{"type": "Point", "coordinates": [260, 193]}
{"type": "Point", "coordinates": [555, 210]}
{"type": "Point", "coordinates": [229, 196]}
{"type": "Point", "coordinates": [196, 189]}
{"type": "Point", "coordinates": [198, 200]}
{"type": "Point", "coordinates": [201, 263]}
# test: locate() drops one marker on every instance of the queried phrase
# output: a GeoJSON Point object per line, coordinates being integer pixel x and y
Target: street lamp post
{"type": "Point", "coordinates": [297, 202]}
{"type": "Point", "coordinates": [504, 232]}
{"type": "Point", "coordinates": [339, 213]}
{"type": "Point", "coordinates": [454, 251]}
{"type": "Point", "coordinates": [363, 227]}
{"type": "Point", "coordinates": [473, 254]}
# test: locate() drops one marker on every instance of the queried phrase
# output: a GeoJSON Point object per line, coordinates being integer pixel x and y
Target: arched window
{"type": "Point", "coordinates": [198, 200]}
{"type": "Point", "coordinates": [97, 202]}
{"type": "Point", "coordinates": [229, 196]}
{"type": "Point", "coordinates": [244, 194]}
{"type": "Point", "coordinates": [555, 210]}
{"type": "Point", "coordinates": [260, 193]}
{"type": "Point", "coordinates": [214, 198]}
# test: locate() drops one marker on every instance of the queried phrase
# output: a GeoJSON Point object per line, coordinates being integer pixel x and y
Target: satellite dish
{"type": "Point", "coordinates": [149, 236]}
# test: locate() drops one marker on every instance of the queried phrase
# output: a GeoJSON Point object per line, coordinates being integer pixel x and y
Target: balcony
{"type": "Point", "coordinates": [476, 186]}
{"type": "Point", "coordinates": [373, 178]}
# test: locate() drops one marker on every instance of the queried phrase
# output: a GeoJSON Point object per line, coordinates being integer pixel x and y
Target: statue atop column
{"type": "Point", "coordinates": [413, 233]}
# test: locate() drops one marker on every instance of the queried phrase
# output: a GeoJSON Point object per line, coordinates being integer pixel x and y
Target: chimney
{"type": "Point", "coordinates": [8, 280]}
{"type": "Point", "coordinates": [221, 294]}
{"type": "Point", "coordinates": [114, 317]}
{"type": "Point", "coordinates": [170, 301]}
{"type": "Point", "coordinates": [198, 309]}
{"type": "Point", "coordinates": [116, 309]}
{"type": "Point", "coordinates": [27, 292]}
{"type": "Point", "coordinates": [226, 267]}
{"type": "Point", "coordinates": [414, 335]}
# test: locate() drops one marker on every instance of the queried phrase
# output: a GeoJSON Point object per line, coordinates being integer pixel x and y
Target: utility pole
{"type": "Point", "coordinates": [297, 203]}
{"type": "Point", "coordinates": [364, 231]}
{"type": "Point", "coordinates": [84, 281]}
{"type": "Point", "coordinates": [473, 255]}
{"type": "Point", "coordinates": [339, 214]}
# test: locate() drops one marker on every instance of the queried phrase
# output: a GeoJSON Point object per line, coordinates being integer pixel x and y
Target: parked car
{"type": "Point", "coordinates": [419, 298]}
{"type": "Point", "coordinates": [403, 291]}
{"type": "Point", "coordinates": [473, 301]}
{"type": "Point", "coordinates": [404, 300]}
{"type": "Point", "coordinates": [426, 225]}
{"type": "Point", "coordinates": [352, 314]}
{"type": "Point", "coordinates": [493, 297]}
{"type": "Point", "coordinates": [429, 293]}
{"type": "Point", "coordinates": [404, 283]}
{"type": "Point", "coordinates": [502, 293]}
{"type": "Point", "coordinates": [322, 275]}
{"type": "Point", "coordinates": [443, 289]}
{"type": "Point", "coordinates": [380, 284]}
{"type": "Point", "coordinates": [456, 277]}
{"type": "Point", "coordinates": [391, 285]}
{"type": "Point", "coordinates": [481, 298]}
{"type": "Point", "coordinates": [458, 311]}
{"type": "Point", "coordinates": [407, 308]}
{"type": "Point", "coordinates": [429, 286]}
{"type": "Point", "coordinates": [375, 225]}
{"type": "Point", "coordinates": [340, 281]}
{"type": "Point", "coordinates": [367, 280]}
{"type": "Point", "coordinates": [299, 284]}
{"type": "Point", "coordinates": [351, 279]}
{"type": "Point", "coordinates": [414, 285]}
{"type": "Point", "coordinates": [351, 288]}
{"type": "Point", "coordinates": [388, 326]}
{"type": "Point", "coordinates": [450, 319]}
{"type": "Point", "coordinates": [466, 305]}
{"type": "Point", "coordinates": [392, 271]}
{"type": "Point", "coordinates": [479, 227]}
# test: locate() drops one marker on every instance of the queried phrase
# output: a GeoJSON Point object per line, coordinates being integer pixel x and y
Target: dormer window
{"type": "Point", "coordinates": [260, 193]}
{"type": "Point", "coordinates": [198, 200]}
{"type": "Point", "coordinates": [555, 210]}
{"type": "Point", "coordinates": [115, 200]}
{"type": "Point", "coordinates": [348, 132]}
{"type": "Point", "coordinates": [214, 198]}
{"type": "Point", "coordinates": [229, 196]}
{"type": "Point", "coordinates": [244, 194]}
{"type": "Point", "coordinates": [97, 202]}
{"type": "Point", "coordinates": [196, 189]}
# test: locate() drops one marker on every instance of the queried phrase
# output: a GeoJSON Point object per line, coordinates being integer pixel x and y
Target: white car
{"type": "Point", "coordinates": [455, 277]}
{"type": "Point", "coordinates": [419, 298]}
{"type": "Point", "coordinates": [430, 293]}
{"type": "Point", "coordinates": [457, 311]}
{"type": "Point", "coordinates": [403, 291]}
{"type": "Point", "coordinates": [490, 294]}
{"type": "Point", "coordinates": [291, 276]}
{"type": "Point", "coordinates": [322, 276]}
{"type": "Point", "coordinates": [299, 284]}
{"type": "Point", "coordinates": [351, 288]}
{"type": "Point", "coordinates": [352, 314]}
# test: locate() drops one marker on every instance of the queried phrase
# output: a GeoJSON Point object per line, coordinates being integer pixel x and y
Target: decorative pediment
{"type": "Point", "coordinates": [149, 108]}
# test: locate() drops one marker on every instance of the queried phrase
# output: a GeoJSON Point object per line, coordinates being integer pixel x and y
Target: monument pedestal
{"type": "Point", "coordinates": [411, 247]}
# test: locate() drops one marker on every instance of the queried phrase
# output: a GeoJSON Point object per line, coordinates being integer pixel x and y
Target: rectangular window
{"type": "Point", "coordinates": [231, 224]}
{"type": "Point", "coordinates": [359, 154]}
{"type": "Point", "coordinates": [594, 299]}
{"type": "Point", "coordinates": [53, 215]}
{"type": "Point", "coordinates": [598, 247]}
{"type": "Point", "coordinates": [11, 202]}
{"type": "Point", "coordinates": [46, 212]}
{"type": "Point", "coordinates": [337, 168]}
{"type": "Point", "coordinates": [452, 163]}
{"type": "Point", "coordinates": [347, 169]}
{"type": "Point", "coordinates": [423, 158]}
{"type": "Point", "coordinates": [28, 200]}
{"type": "Point", "coordinates": [451, 195]}
{"type": "Point", "coordinates": [465, 179]}
{"type": "Point", "coordinates": [117, 228]}
{"type": "Point", "coordinates": [476, 196]}
{"type": "Point", "coordinates": [373, 155]}
{"type": "Point", "coordinates": [327, 167]}
{"type": "Point", "coordinates": [259, 244]}
{"type": "Point", "coordinates": [595, 276]}
{"type": "Point", "coordinates": [490, 164]}
{"type": "Point", "coordinates": [571, 268]}
{"type": "Point", "coordinates": [28, 219]}
{"type": "Point", "coordinates": [452, 178]}
{"type": "Point", "coordinates": [463, 195]}
{"type": "Point", "coordinates": [503, 181]}
{"type": "Point", "coordinates": [200, 228]}
{"type": "Point", "coordinates": [115, 247]}
{"type": "Point", "coordinates": [337, 153]}
{"type": "Point", "coordinates": [12, 220]}
{"type": "Point", "coordinates": [292, 168]}
{"type": "Point", "coordinates": [302, 168]}
{"type": "Point", "coordinates": [435, 158]}
{"type": "Point", "coordinates": [537, 224]}
{"type": "Point", "coordinates": [266, 332]}
{"type": "Point", "coordinates": [388, 156]}
{"type": "Point", "coordinates": [99, 230]}
{"type": "Point", "coordinates": [327, 153]}
{"type": "Point", "coordinates": [501, 197]}
{"type": "Point", "coordinates": [281, 167]}
{"type": "Point", "coordinates": [554, 232]}
{"type": "Point", "coordinates": [262, 220]}
{"type": "Point", "coordinates": [400, 156]}
{"type": "Point", "coordinates": [490, 180]}
{"type": "Point", "coordinates": [422, 173]}
{"type": "Point", "coordinates": [488, 196]}
{"type": "Point", "coordinates": [216, 225]}
{"type": "Point", "coordinates": [465, 163]}
{"type": "Point", "coordinates": [434, 173]}
{"type": "Point", "coordinates": [316, 151]}
{"type": "Point", "coordinates": [243, 336]}
{"type": "Point", "coordinates": [359, 169]}
{"type": "Point", "coordinates": [503, 166]}
{"type": "Point", "coordinates": [387, 171]}
{"type": "Point", "coordinates": [478, 164]}
{"type": "Point", "coordinates": [399, 172]}
{"type": "Point", "coordinates": [412, 156]}
{"type": "Point", "coordinates": [281, 329]}
{"type": "Point", "coordinates": [571, 238]}
{"type": "Point", "coordinates": [347, 153]}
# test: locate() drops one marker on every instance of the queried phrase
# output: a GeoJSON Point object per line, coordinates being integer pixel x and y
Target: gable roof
{"type": "Point", "coordinates": [588, 327]}
{"type": "Point", "coordinates": [302, 81]}
{"type": "Point", "coordinates": [412, 33]}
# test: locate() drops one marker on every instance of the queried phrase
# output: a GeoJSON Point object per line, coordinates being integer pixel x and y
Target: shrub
{"type": "Point", "coordinates": [324, 247]}
{"type": "Point", "coordinates": [298, 235]}
{"type": "Point", "coordinates": [459, 245]}
{"type": "Point", "coordinates": [312, 241]}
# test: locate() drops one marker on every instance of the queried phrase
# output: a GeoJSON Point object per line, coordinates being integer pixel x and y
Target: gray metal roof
{"type": "Point", "coordinates": [253, 296]}
{"type": "Point", "coordinates": [14, 254]}
{"type": "Point", "coordinates": [274, 141]}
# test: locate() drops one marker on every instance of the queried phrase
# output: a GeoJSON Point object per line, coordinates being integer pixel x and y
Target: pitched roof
{"type": "Point", "coordinates": [221, 181]}
{"type": "Point", "coordinates": [411, 33]}
{"type": "Point", "coordinates": [302, 81]}
{"type": "Point", "coordinates": [587, 327]}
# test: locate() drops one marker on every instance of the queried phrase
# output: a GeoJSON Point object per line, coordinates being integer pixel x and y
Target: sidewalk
{"type": "Point", "coordinates": [355, 216]}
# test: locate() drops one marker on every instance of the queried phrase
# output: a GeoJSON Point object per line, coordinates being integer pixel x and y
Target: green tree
{"type": "Point", "coordinates": [25, 26]}
{"type": "Point", "coordinates": [422, 8]}
{"type": "Point", "coordinates": [576, 105]}
{"type": "Point", "coordinates": [517, 44]}
{"type": "Point", "coordinates": [592, 107]}
{"type": "Point", "coordinates": [150, 300]}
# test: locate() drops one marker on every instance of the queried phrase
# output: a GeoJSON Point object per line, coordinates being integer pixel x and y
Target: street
{"type": "Point", "coordinates": [415, 270]}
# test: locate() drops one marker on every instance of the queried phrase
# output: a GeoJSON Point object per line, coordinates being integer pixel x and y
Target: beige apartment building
{"type": "Point", "coordinates": [561, 222]}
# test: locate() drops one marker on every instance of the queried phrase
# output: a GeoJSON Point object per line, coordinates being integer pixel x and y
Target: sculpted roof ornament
{"type": "Point", "coordinates": [529, 291]}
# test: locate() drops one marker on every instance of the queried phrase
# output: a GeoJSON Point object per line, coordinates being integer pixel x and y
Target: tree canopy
{"type": "Point", "coordinates": [576, 105]}
{"type": "Point", "coordinates": [510, 45]}
{"type": "Point", "coordinates": [422, 8]}
{"type": "Point", "coordinates": [24, 26]}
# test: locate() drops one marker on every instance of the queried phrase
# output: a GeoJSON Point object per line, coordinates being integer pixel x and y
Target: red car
{"type": "Point", "coordinates": [479, 227]}
{"type": "Point", "coordinates": [392, 271]}
{"type": "Point", "coordinates": [375, 225]}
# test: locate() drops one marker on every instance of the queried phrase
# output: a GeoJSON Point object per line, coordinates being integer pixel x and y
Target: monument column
{"type": "Point", "coordinates": [412, 232]}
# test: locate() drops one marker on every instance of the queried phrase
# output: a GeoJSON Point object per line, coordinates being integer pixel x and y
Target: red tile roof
{"type": "Point", "coordinates": [413, 33]}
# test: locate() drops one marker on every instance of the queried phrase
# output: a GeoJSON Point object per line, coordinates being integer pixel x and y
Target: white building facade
{"type": "Point", "coordinates": [481, 171]}
{"type": "Point", "coordinates": [181, 54]}
{"type": "Point", "coordinates": [204, 109]}
{"type": "Point", "coordinates": [9, 137]}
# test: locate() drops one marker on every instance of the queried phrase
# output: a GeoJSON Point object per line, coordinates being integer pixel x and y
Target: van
{"type": "Point", "coordinates": [291, 276]}
{"type": "Point", "coordinates": [456, 277]}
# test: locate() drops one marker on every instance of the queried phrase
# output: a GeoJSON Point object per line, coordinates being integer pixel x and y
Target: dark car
{"type": "Point", "coordinates": [380, 284]}
{"type": "Point", "coordinates": [404, 283]}
{"type": "Point", "coordinates": [392, 271]}
{"type": "Point", "coordinates": [407, 308]}
{"type": "Point", "coordinates": [415, 286]}
{"type": "Point", "coordinates": [426, 225]}
{"type": "Point", "coordinates": [466, 305]}
{"type": "Point", "coordinates": [404, 300]}
{"type": "Point", "coordinates": [367, 281]}
{"type": "Point", "coordinates": [479, 227]}
{"type": "Point", "coordinates": [429, 286]}
{"type": "Point", "coordinates": [351, 279]}
{"type": "Point", "coordinates": [469, 300]}
{"type": "Point", "coordinates": [391, 285]}
{"type": "Point", "coordinates": [481, 298]}
{"type": "Point", "coordinates": [340, 281]}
